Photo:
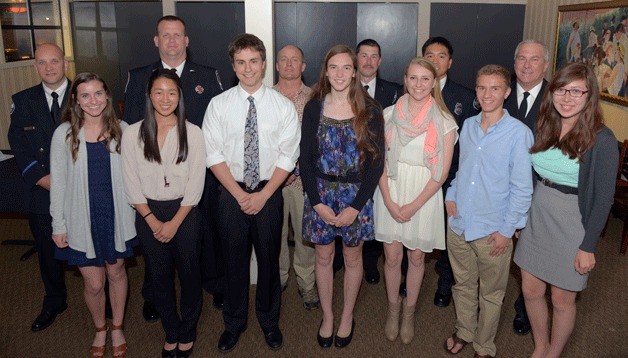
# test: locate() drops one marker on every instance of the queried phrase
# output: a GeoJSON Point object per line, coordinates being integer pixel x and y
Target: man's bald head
{"type": "Point", "coordinates": [290, 64]}
{"type": "Point", "coordinates": [51, 65]}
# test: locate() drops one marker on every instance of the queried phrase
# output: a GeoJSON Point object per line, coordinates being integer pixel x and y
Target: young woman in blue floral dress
{"type": "Point", "coordinates": [342, 159]}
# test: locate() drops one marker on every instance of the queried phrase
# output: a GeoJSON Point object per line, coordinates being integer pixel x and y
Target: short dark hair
{"type": "Point", "coordinates": [243, 41]}
{"type": "Point", "coordinates": [440, 41]}
{"type": "Point", "coordinates": [169, 18]}
{"type": "Point", "coordinates": [369, 42]}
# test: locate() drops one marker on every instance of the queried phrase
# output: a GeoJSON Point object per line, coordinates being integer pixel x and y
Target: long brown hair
{"type": "Point", "coordinates": [362, 104]}
{"type": "Point", "coordinates": [548, 127]}
{"type": "Point", "coordinates": [148, 128]}
{"type": "Point", "coordinates": [73, 114]}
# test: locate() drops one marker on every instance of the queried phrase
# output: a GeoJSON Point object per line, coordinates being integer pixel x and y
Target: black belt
{"type": "Point", "coordinates": [351, 178]}
{"type": "Point", "coordinates": [565, 189]}
{"type": "Point", "coordinates": [259, 186]}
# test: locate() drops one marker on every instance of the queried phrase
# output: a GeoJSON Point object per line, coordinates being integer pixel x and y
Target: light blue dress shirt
{"type": "Point", "coordinates": [493, 186]}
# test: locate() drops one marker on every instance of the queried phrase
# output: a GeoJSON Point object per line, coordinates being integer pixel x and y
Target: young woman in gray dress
{"type": "Point", "coordinates": [575, 159]}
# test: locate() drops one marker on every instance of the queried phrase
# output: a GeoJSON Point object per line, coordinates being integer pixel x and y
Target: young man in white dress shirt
{"type": "Point", "coordinates": [252, 137]}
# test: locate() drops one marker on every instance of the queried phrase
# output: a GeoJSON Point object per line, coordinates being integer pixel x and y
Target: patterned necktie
{"type": "Point", "coordinates": [55, 110]}
{"type": "Point", "coordinates": [251, 148]}
{"type": "Point", "coordinates": [523, 108]}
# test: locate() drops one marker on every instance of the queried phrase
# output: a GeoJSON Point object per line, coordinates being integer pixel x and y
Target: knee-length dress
{"type": "Point", "coordinates": [101, 210]}
{"type": "Point", "coordinates": [426, 229]}
{"type": "Point", "coordinates": [337, 145]}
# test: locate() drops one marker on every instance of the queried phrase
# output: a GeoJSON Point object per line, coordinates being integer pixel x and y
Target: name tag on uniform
{"type": "Point", "coordinates": [31, 128]}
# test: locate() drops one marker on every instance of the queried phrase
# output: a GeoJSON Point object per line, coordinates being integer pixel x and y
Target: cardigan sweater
{"type": "Point", "coordinates": [370, 172]}
{"type": "Point", "coordinates": [596, 186]}
{"type": "Point", "coordinates": [69, 194]}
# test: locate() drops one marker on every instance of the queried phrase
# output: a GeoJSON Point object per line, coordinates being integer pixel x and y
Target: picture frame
{"type": "Point", "coordinates": [596, 34]}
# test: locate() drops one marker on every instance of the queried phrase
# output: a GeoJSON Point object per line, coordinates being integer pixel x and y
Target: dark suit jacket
{"type": "Point", "coordinates": [460, 102]}
{"type": "Point", "coordinates": [511, 105]}
{"type": "Point", "coordinates": [200, 84]}
{"type": "Point", "coordinates": [387, 93]}
{"type": "Point", "coordinates": [30, 133]}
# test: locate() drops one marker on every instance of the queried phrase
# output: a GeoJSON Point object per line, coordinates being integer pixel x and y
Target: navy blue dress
{"type": "Point", "coordinates": [101, 213]}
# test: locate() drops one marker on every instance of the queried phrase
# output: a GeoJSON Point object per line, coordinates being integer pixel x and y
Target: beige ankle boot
{"type": "Point", "coordinates": [392, 321]}
{"type": "Point", "coordinates": [407, 323]}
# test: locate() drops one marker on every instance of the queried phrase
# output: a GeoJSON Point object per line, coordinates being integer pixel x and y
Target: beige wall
{"type": "Point", "coordinates": [540, 24]}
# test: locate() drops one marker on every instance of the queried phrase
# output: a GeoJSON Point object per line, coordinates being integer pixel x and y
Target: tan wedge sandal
{"type": "Point", "coordinates": [119, 351]}
{"type": "Point", "coordinates": [99, 351]}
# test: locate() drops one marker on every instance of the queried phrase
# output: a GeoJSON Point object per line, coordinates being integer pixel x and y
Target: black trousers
{"type": "Point", "coordinates": [51, 270]}
{"type": "Point", "coordinates": [212, 262]}
{"type": "Point", "coordinates": [239, 234]}
{"type": "Point", "coordinates": [182, 252]}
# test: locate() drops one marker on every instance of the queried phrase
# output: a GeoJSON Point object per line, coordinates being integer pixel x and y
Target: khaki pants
{"type": "Point", "coordinates": [471, 263]}
{"type": "Point", "coordinates": [304, 258]}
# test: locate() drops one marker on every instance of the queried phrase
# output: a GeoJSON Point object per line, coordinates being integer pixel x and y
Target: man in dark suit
{"type": "Point", "coordinates": [461, 103]}
{"type": "Point", "coordinates": [386, 93]}
{"type": "Point", "coordinates": [531, 63]}
{"type": "Point", "coordinates": [35, 113]}
{"type": "Point", "coordinates": [200, 85]}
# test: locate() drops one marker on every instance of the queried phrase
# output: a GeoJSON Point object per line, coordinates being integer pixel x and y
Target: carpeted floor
{"type": "Point", "coordinates": [601, 327]}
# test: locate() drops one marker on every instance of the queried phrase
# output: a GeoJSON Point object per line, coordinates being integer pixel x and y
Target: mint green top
{"type": "Point", "coordinates": [555, 166]}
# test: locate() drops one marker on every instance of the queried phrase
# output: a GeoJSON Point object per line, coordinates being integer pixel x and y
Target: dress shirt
{"type": "Point", "coordinates": [493, 186]}
{"type": "Point", "coordinates": [299, 100]}
{"type": "Point", "coordinates": [442, 82]}
{"type": "Point", "coordinates": [179, 68]}
{"type": "Point", "coordinates": [168, 180]}
{"type": "Point", "coordinates": [371, 85]}
{"type": "Point", "coordinates": [278, 130]}
{"type": "Point", "coordinates": [534, 92]}
{"type": "Point", "coordinates": [60, 91]}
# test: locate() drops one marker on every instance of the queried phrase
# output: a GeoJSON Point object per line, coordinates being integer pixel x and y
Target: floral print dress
{"type": "Point", "coordinates": [337, 145]}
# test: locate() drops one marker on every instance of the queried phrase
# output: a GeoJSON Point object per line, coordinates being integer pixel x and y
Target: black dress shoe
{"type": "Point", "coordinates": [227, 341]}
{"type": "Point", "coordinates": [403, 292]}
{"type": "Point", "coordinates": [372, 278]}
{"type": "Point", "coordinates": [46, 318]}
{"type": "Point", "coordinates": [150, 312]}
{"type": "Point", "coordinates": [442, 299]}
{"type": "Point", "coordinates": [186, 353]}
{"type": "Point", "coordinates": [274, 338]}
{"type": "Point", "coordinates": [521, 325]}
{"type": "Point", "coordinates": [324, 342]}
{"type": "Point", "coordinates": [169, 354]}
{"type": "Point", "coordinates": [219, 300]}
{"type": "Point", "coordinates": [341, 342]}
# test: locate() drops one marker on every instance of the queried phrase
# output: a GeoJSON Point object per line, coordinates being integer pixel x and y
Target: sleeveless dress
{"type": "Point", "coordinates": [337, 145]}
{"type": "Point", "coordinates": [426, 229]}
{"type": "Point", "coordinates": [101, 211]}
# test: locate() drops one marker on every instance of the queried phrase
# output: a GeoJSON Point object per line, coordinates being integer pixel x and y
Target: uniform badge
{"type": "Point", "coordinates": [12, 107]}
{"type": "Point", "coordinates": [458, 109]}
{"type": "Point", "coordinates": [199, 89]}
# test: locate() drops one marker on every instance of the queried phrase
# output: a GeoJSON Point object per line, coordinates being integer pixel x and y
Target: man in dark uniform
{"type": "Point", "coordinates": [35, 113]}
{"type": "Point", "coordinates": [386, 93]}
{"type": "Point", "coordinates": [524, 102]}
{"type": "Point", "coordinates": [461, 103]}
{"type": "Point", "coordinates": [200, 85]}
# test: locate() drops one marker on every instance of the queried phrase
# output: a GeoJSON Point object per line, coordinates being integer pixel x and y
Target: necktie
{"type": "Point", "coordinates": [366, 87]}
{"type": "Point", "coordinates": [251, 148]}
{"type": "Point", "coordinates": [55, 110]}
{"type": "Point", "coordinates": [523, 108]}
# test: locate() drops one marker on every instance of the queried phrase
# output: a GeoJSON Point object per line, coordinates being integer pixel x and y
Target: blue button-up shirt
{"type": "Point", "coordinates": [493, 186]}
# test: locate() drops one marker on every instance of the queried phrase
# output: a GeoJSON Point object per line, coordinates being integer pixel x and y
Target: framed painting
{"type": "Point", "coordinates": [596, 34]}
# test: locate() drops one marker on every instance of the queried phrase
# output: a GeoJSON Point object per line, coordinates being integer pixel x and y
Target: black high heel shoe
{"type": "Point", "coordinates": [186, 353]}
{"type": "Point", "coordinates": [324, 342]}
{"type": "Point", "coordinates": [169, 353]}
{"type": "Point", "coordinates": [341, 342]}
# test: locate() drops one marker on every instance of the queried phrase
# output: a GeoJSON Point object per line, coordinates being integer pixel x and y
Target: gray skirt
{"type": "Point", "coordinates": [549, 243]}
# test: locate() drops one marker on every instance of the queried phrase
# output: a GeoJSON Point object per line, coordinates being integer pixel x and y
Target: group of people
{"type": "Point", "coordinates": [192, 174]}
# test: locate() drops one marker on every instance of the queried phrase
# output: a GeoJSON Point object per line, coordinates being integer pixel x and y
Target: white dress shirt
{"type": "Point", "coordinates": [278, 126]}
{"type": "Point", "coordinates": [371, 85]}
{"type": "Point", "coordinates": [442, 82]}
{"type": "Point", "coordinates": [534, 92]}
{"type": "Point", "coordinates": [60, 91]}
{"type": "Point", "coordinates": [179, 68]}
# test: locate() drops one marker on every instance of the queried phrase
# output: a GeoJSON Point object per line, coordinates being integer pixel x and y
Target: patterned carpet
{"type": "Point", "coordinates": [601, 327]}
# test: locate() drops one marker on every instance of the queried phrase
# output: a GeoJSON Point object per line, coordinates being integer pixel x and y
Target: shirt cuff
{"type": "Point", "coordinates": [286, 164]}
{"type": "Point", "coordinates": [214, 158]}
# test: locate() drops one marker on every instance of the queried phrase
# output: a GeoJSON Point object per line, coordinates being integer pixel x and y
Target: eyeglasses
{"type": "Point", "coordinates": [574, 92]}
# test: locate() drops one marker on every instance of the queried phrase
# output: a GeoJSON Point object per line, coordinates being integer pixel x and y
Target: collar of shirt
{"type": "Point", "coordinates": [60, 91]}
{"type": "Point", "coordinates": [299, 91]}
{"type": "Point", "coordinates": [442, 82]}
{"type": "Point", "coordinates": [534, 92]}
{"type": "Point", "coordinates": [504, 118]}
{"type": "Point", "coordinates": [179, 68]}
{"type": "Point", "coordinates": [371, 85]}
{"type": "Point", "coordinates": [244, 95]}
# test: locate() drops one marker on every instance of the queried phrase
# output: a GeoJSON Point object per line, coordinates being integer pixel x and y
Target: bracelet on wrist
{"type": "Point", "coordinates": [147, 215]}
